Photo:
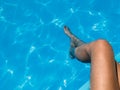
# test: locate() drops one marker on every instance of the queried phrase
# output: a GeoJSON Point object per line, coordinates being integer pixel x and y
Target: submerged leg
{"type": "Point", "coordinates": [75, 41]}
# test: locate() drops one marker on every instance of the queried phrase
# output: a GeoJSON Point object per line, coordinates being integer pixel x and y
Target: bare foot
{"type": "Point", "coordinates": [67, 31]}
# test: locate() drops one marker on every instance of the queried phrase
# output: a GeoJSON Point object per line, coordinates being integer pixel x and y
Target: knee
{"type": "Point", "coordinates": [102, 43]}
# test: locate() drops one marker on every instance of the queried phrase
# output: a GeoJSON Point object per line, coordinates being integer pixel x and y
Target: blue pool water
{"type": "Point", "coordinates": [34, 49]}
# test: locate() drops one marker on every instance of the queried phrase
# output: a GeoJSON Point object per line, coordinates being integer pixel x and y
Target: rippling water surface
{"type": "Point", "coordinates": [34, 49]}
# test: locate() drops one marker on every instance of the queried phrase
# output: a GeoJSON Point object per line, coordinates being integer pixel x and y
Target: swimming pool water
{"type": "Point", "coordinates": [34, 51]}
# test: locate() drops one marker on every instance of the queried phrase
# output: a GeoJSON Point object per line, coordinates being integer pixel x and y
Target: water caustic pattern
{"type": "Point", "coordinates": [34, 49]}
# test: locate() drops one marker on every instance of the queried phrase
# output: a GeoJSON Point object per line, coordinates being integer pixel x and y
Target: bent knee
{"type": "Point", "coordinates": [102, 43]}
{"type": "Point", "coordinates": [101, 46]}
{"type": "Point", "coordinates": [102, 51]}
